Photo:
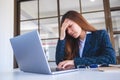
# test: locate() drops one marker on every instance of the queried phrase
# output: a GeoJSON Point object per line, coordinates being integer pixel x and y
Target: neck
{"type": "Point", "coordinates": [83, 34]}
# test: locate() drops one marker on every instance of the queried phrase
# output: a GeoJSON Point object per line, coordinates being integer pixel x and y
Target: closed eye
{"type": "Point", "coordinates": [70, 26]}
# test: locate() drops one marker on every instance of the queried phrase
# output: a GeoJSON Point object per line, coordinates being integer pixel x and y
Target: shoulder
{"type": "Point", "coordinates": [99, 33]}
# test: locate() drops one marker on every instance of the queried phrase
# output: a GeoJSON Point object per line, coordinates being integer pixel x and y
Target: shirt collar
{"type": "Point", "coordinates": [88, 32]}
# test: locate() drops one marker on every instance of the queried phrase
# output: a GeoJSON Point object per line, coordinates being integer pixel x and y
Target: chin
{"type": "Point", "coordinates": [75, 36]}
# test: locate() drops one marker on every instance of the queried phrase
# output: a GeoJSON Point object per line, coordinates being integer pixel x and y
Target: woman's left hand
{"type": "Point", "coordinates": [67, 64]}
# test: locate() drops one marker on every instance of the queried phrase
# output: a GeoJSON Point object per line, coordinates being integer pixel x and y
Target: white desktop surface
{"type": "Point", "coordinates": [16, 74]}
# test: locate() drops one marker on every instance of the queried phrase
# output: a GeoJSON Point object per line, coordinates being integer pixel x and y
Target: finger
{"type": "Point", "coordinates": [65, 65]}
{"type": "Point", "coordinates": [70, 67]}
{"type": "Point", "coordinates": [61, 64]}
{"type": "Point", "coordinates": [65, 24]}
{"type": "Point", "coordinates": [68, 63]}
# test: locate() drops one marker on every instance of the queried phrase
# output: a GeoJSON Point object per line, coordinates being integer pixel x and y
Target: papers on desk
{"type": "Point", "coordinates": [112, 65]}
{"type": "Point", "coordinates": [111, 68]}
{"type": "Point", "coordinates": [101, 68]}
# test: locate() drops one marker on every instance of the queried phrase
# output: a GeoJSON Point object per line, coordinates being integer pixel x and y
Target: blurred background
{"type": "Point", "coordinates": [45, 15]}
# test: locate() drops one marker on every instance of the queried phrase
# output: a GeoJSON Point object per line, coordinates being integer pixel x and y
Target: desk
{"type": "Point", "coordinates": [77, 75]}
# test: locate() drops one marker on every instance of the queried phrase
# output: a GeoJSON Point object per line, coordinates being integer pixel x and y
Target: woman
{"type": "Point", "coordinates": [81, 44]}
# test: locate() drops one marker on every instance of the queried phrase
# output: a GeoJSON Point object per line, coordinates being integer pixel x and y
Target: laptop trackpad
{"type": "Point", "coordinates": [54, 69]}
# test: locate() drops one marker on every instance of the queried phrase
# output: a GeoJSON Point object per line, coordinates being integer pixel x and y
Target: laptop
{"type": "Point", "coordinates": [30, 55]}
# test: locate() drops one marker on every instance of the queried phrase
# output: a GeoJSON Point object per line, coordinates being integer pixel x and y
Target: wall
{"type": "Point", "coordinates": [6, 32]}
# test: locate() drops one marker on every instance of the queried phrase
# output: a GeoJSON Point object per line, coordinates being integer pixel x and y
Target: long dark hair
{"type": "Point", "coordinates": [72, 44]}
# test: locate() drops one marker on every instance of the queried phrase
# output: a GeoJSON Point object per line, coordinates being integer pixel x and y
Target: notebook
{"type": "Point", "coordinates": [111, 68]}
{"type": "Point", "coordinates": [30, 55]}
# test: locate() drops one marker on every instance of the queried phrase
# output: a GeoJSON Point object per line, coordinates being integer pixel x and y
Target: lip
{"type": "Point", "coordinates": [73, 35]}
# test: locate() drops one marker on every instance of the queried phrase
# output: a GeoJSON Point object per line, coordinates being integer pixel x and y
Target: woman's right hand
{"type": "Point", "coordinates": [65, 24]}
{"type": "Point", "coordinates": [67, 64]}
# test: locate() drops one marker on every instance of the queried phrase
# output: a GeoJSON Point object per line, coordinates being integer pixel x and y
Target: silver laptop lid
{"type": "Point", "coordinates": [29, 53]}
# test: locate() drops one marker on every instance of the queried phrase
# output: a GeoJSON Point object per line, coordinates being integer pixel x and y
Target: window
{"type": "Point", "coordinates": [45, 16]}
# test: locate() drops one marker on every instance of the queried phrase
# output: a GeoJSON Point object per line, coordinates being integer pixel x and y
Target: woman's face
{"type": "Point", "coordinates": [73, 29]}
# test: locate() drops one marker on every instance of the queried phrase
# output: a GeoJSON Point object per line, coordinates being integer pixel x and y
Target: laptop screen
{"type": "Point", "coordinates": [29, 53]}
